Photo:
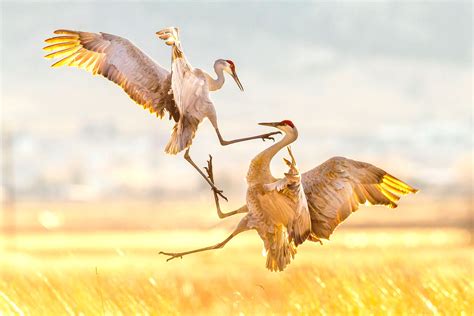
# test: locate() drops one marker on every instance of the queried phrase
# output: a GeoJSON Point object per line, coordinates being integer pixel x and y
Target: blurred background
{"type": "Point", "coordinates": [89, 197]}
{"type": "Point", "coordinates": [386, 83]}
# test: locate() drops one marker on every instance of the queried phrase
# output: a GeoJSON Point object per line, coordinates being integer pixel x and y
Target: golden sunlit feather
{"type": "Point", "coordinates": [64, 61]}
{"type": "Point", "coordinates": [61, 45]}
{"type": "Point", "coordinates": [68, 32]}
{"type": "Point", "coordinates": [145, 82]}
{"type": "Point", "coordinates": [85, 59]}
{"type": "Point", "coordinates": [400, 184]}
{"type": "Point", "coordinates": [79, 58]}
{"type": "Point", "coordinates": [390, 187]}
{"type": "Point", "coordinates": [389, 195]}
{"type": "Point", "coordinates": [65, 52]}
{"type": "Point", "coordinates": [60, 39]}
{"type": "Point", "coordinates": [89, 66]}
{"type": "Point", "coordinates": [97, 65]}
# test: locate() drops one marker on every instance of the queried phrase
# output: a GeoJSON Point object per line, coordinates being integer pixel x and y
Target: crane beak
{"type": "Point", "coordinates": [272, 124]}
{"type": "Point", "coordinates": [234, 75]}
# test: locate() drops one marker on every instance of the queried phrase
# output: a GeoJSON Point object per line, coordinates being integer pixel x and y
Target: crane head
{"type": "Point", "coordinates": [229, 67]}
{"type": "Point", "coordinates": [279, 124]}
{"type": "Point", "coordinates": [285, 125]}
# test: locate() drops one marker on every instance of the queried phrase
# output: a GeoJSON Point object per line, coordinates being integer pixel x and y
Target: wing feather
{"type": "Point", "coordinates": [284, 202]}
{"type": "Point", "coordinates": [59, 39]}
{"type": "Point", "coordinates": [117, 59]}
{"type": "Point", "coordinates": [337, 187]}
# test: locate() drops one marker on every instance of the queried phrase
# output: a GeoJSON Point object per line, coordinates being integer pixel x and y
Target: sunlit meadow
{"type": "Point", "coordinates": [390, 272]}
{"type": "Point", "coordinates": [62, 266]}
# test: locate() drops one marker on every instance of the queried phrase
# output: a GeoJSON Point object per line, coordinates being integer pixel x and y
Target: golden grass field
{"type": "Point", "coordinates": [359, 272]}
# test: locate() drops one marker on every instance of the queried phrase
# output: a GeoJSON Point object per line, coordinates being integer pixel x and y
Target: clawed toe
{"type": "Point", "coordinates": [209, 170]}
{"type": "Point", "coordinates": [269, 136]}
{"type": "Point", "coordinates": [171, 255]}
{"type": "Point", "coordinates": [210, 175]}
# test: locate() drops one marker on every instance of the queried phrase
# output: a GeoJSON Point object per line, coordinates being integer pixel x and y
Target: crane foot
{"type": "Point", "coordinates": [269, 136]}
{"type": "Point", "coordinates": [210, 175]}
{"type": "Point", "coordinates": [209, 170]}
{"type": "Point", "coordinates": [171, 254]}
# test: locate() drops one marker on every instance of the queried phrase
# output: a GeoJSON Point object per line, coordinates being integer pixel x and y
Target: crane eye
{"type": "Point", "coordinates": [231, 64]}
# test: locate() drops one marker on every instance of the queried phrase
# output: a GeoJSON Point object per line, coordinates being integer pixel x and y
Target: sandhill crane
{"type": "Point", "coordinates": [287, 211]}
{"type": "Point", "coordinates": [183, 93]}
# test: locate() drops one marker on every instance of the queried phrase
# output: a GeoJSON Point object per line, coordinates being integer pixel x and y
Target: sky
{"type": "Point", "coordinates": [389, 83]}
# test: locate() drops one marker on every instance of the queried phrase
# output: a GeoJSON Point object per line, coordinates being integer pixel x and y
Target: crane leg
{"type": "Point", "coordinates": [240, 228]}
{"type": "Point", "coordinates": [214, 188]}
{"type": "Point", "coordinates": [221, 214]}
{"type": "Point", "coordinates": [238, 140]}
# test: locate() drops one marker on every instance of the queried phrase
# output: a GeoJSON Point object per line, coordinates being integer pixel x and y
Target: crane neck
{"type": "Point", "coordinates": [216, 84]}
{"type": "Point", "coordinates": [259, 169]}
{"type": "Point", "coordinates": [271, 151]}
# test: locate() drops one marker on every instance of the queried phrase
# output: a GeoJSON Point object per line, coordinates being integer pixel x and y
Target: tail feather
{"type": "Point", "coordinates": [280, 251]}
{"type": "Point", "coordinates": [182, 136]}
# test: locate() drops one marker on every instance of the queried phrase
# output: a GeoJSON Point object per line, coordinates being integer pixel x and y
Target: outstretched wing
{"type": "Point", "coordinates": [118, 60]}
{"type": "Point", "coordinates": [337, 187]}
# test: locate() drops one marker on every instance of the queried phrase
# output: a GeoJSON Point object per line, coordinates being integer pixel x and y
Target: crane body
{"type": "Point", "coordinates": [183, 93]}
{"type": "Point", "coordinates": [287, 211]}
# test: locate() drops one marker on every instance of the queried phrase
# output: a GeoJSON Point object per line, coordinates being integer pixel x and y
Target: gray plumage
{"type": "Point", "coordinates": [297, 207]}
{"type": "Point", "coordinates": [183, 93]}
{"type": "Point", "coordinates": [119, 60]}
{"type": "Point", "coordinates": [338, 186]}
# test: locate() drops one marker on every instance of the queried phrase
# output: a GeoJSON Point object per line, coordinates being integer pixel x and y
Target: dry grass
{"type": "Point", "coordinates": [392, 273]}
